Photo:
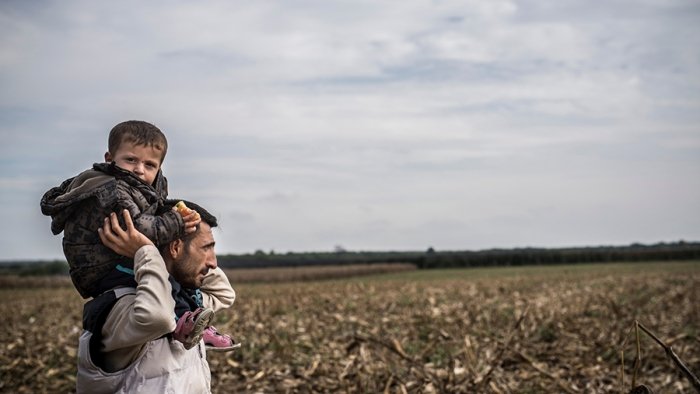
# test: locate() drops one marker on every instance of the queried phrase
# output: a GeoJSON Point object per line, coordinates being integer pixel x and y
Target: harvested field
{"type": "Point", "coordinates": [500, 330]}
{"type": "Point", "coordinates": [35, 282]}
{"type": "Point", "coordinates": [242, 275]}
{"type": "Point", "coordinates": [308, 273]}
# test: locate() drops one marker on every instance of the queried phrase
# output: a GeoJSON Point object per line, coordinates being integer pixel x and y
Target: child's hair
{"type": "Point", "coordinates": [139, 133]}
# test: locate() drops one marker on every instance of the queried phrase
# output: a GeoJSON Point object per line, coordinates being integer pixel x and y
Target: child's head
{"type": "Point", "coordinates": [138, 147]}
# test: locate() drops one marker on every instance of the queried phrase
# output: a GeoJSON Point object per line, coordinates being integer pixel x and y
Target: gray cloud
{"type": "Point", "coordinates": [374, 125]}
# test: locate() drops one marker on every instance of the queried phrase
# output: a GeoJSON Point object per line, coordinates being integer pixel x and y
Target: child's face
{"type": "Point", "coordinates": [141, 160]}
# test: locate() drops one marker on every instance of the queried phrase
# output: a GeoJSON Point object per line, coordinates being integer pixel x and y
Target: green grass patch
{"type": "Point", "coordinates": [568, 270]}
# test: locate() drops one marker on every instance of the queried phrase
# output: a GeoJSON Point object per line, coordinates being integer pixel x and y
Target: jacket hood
{"type": "Point", "coordinates": [99, 182]}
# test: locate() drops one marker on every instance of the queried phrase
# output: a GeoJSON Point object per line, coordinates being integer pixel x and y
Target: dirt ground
{"type": "Point", "coordinates": [525, 330]}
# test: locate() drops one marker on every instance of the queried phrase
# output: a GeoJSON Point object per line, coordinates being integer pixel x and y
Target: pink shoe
{"type": "Point", "coordinates": [190, 326]}
{"type": "Point", "coordinates": [218, 342]}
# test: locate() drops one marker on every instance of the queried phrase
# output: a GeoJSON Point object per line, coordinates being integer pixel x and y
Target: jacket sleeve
{"type": "Point", "coordinates": [217, 292]}
{"type": "Point", "coordinates": [160, 229]}
{"type": "Point", "coordinates": [137, 319]}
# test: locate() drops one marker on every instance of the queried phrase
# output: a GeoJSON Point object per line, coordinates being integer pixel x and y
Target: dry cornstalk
{"type": "Point", "coordinates": [484, 379]}
{"type": "Point", "coordinates": [469, 355]}
{"type": "Point", "coordinates": [387, 386]}
{"type": "Point", "coordinates": [395, 347]}
{"type": "Point", "coordinates": [622, 359]}
{"type": "Point", "coordinates": [544, 372]}
{"type": "Point", "coordinates": [676, 360]}
{"type": "Point", "coordinates": [638, 357]}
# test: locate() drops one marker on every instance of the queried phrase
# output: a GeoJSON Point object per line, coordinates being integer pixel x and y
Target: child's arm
{"type": "Point", "coordinates": [160, 229]}
{"type": "Point", "coordinates": [217, 292]}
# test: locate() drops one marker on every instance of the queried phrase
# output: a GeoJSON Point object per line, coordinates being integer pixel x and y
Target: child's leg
{"type": "Point", "coordinates": [191, 318]}
{"type": "Point", "coordinates": [182, 303]}
{"type": "Point", "coordinates": [191, 325]}
{"type": "Point", "coordinates": [212, 338]}
{"type": "Point", "coordinates": [218, 342]}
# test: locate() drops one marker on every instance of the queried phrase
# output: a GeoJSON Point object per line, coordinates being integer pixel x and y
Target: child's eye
{"type": "Point", "coordinates": [150, 165]}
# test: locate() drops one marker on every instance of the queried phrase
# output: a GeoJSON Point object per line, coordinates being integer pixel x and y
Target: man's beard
{"type": "Point", "coordinates": [183, 273]}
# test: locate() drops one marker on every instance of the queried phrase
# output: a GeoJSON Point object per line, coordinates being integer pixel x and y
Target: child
{"type": "Point", "coordinates": [131, 178]}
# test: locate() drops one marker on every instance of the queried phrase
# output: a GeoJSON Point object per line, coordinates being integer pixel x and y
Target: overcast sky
{"type": "Point", "coordinates": [373, 125]}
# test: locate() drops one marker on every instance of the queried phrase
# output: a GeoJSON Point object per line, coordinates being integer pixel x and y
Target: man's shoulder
{"type": "Point", "coordinates": [97, 310]}
{"type": "Point", "coordinates": [125, 300]}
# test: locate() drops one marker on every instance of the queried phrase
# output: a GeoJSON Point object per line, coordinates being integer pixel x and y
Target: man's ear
{"type": "Point", "coordinates": [175, 248]}
{"type": "Point", "coordinates": [108, 157]}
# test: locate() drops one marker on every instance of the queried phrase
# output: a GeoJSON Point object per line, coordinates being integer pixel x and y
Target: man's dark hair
{"type": "Point", "coordinates": [207, 218]}
{"type": "Point", "coordinates": [137, 132]}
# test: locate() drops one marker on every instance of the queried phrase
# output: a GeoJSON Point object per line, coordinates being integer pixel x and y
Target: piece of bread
{"type": "Point", "coordinates": [184, 210]}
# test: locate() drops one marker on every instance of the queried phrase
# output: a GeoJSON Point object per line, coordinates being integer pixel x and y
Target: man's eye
{"type": "Point", "coordinates": [150, 165]}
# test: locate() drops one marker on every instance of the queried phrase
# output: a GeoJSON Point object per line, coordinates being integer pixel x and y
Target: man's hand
{"type": "Point", "coordinates": [125, 243]}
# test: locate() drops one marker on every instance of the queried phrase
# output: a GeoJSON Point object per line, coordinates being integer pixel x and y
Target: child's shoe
{"type": "Point", "coordinates": [190, 326]}
{"type": "Point", "coordinates": [218, 342]}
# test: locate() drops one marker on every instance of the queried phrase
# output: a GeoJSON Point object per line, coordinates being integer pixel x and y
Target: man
{"type": "Point", "coordinates": [125, 346]}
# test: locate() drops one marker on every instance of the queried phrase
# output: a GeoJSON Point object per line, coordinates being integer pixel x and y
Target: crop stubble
{"type": "Point", "coordinates": [541, 332]}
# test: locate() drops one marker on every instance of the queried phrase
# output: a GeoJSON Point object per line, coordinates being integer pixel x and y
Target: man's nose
{"type": "Point", "coordinates": [138, 168]}
{"type": "Point", "coordinates": [211, 262]}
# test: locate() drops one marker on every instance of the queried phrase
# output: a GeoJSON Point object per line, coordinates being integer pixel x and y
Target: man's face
{"type": "Point", "coordinates": [197, 258]}
{"type": "Point", "coordinates": [140, 160]}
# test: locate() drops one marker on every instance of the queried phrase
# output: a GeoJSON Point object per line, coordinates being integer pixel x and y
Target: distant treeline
{"type": "Point", "coordinates": [32, 268]}
{"type": "Point", "coordinates": [484, 258]}
{"type": "Point", "coordinates": [430, 258]}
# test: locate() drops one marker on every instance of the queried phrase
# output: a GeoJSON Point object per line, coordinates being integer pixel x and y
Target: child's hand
{"type": "Point", "coordinates": [192, 220]}
{"type": "Point", "coordinates": [189, 216]}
